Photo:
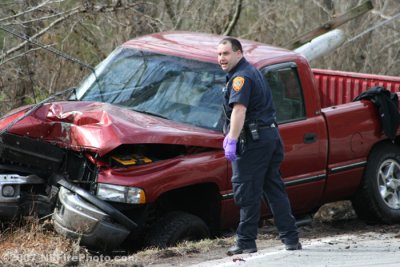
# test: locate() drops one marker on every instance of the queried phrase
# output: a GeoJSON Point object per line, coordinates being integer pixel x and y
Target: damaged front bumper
{"type": "Point", "coordinates": [79, 214]}
{"type": "Point", "coordinates": [17, 197]}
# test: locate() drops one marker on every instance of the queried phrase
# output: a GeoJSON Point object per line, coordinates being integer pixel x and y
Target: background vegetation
{"type": "Point", "coordinates": [89, 30]}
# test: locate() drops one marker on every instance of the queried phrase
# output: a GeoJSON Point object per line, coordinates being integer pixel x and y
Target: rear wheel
{"type": "Point", "coordinates": [378, 199]}
{"type": "Point", "coordinates": [176, 227]}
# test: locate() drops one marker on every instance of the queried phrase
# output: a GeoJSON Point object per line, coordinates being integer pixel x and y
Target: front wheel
{"type": "Point", "coordinates": [378, 199]}
{"type": "Point", "coordinates": [176, 227]}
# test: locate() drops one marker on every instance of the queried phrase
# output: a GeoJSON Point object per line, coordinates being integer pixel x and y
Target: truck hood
{"type": "Point", "coordinates": [101, 127]}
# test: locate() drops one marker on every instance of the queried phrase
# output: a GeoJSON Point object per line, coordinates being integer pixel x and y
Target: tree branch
{"type": "Point", "coordinates": [26, 11]}
{"type": "Point", "coordinates": [34, 20]}
{"type": "Point", "coordinates": [170, 12]}
{"type": "Point", "coordinates": [65, 16]}
{"type": "Point", "coordinates": [44, 30]}
{"type": "Point", "coordinates": [232, 23]}
{"type": "Point", "coordinates": [21, 55]}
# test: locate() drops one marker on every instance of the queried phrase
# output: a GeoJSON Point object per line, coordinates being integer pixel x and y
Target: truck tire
{"type": "Point", "coordinates": [176, 227]}
{"type": "Point", "coordinates": [378, 199]}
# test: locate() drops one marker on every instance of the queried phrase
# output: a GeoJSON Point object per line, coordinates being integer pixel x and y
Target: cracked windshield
{"type": "Point", "coordinates": [170, 87]}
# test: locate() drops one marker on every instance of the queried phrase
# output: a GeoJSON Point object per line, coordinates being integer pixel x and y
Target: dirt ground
{"type": "Point", "coordinates": [36, 244]}
{"type": "Point", "coordinates": [331, 220]}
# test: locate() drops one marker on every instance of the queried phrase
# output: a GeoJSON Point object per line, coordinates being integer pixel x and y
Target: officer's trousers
{"type": "Point", "coordinates": [256, 174]}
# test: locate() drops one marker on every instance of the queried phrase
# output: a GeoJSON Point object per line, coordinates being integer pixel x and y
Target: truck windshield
{"type": "Point", "coordinates": [175, 88]}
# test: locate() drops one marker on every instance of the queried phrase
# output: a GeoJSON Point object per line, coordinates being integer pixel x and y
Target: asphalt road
{"type": "Point", "coordinates": [366, 249]}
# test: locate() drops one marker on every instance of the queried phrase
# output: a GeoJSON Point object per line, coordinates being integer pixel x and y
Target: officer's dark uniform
{"type": "Point", "coordinates": [256, 170]}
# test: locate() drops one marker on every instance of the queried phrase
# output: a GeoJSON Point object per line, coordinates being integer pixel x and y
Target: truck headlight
{"type": "Point", "coordinates": [124, 194]}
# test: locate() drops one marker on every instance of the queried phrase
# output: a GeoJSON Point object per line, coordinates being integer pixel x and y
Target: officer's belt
{"type": "Point", "coordinates": [263, 125]}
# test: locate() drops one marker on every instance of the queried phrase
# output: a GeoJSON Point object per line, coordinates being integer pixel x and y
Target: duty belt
{"type": "Point", "coordinates": [263, 126]}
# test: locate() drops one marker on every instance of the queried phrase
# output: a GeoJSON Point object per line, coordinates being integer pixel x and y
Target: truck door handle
{"type": "Point", "coordinates": [310, 138]}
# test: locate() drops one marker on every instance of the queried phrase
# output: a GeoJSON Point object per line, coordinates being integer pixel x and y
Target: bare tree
{"type": "Point", "coordinates": [89, 30]}
{"type": "Point", "coordinates": [77, 27]}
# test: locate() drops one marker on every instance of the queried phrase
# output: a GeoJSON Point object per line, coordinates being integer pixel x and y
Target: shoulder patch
{"type": "Point", "coordinates": [237, 83]}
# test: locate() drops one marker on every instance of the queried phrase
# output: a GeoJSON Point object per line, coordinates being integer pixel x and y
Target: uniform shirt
{"type": "Point", "coordinates": [246, 85]}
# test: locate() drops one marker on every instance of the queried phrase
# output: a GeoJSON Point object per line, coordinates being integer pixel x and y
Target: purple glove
{"type": "Point", "coordinates": [229, 145]}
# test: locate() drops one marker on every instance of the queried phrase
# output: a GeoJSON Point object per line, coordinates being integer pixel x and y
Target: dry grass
{"type": "Point", "coordinates": [34, 243]}
{"type": "Point", "coordinates": [176, 255]}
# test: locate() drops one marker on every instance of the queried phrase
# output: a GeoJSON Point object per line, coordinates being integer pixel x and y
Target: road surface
{"type": "Point", "coordinates": [366, 249]}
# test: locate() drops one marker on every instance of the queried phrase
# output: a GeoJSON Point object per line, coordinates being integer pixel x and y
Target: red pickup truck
{"type": "Point", "coordinates": [135, 152]}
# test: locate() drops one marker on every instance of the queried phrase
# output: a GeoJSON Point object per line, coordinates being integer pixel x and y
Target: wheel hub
{"type": "Point", "coordinates": [389, 183]}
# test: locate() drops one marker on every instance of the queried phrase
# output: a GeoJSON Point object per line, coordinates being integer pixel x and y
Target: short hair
{"type": "Point", "coordinates": [236, 45]}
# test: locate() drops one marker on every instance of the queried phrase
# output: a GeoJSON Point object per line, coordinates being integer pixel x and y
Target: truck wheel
{"type": "Point", "coordinates": [378, 199]}
{"type": "Point", "coordinates": [176, 227]}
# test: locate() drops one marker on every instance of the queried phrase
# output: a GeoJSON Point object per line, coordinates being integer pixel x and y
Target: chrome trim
{"type": "Point", "coordinates": [290, 183]}
{"type": "Point", "coordinates": [110, 210]}
{"type": "Point", "coordinates": [227, 196]}
{"type": "Point", "coordinates": [348, 167]}
{"type": "Point", "coordinates": [76, 214]}
{"type": "Point", "coordinates": [306, 180]}
{"type": "Point", "coordinates": [18, 179]}
{"type": "Point", "coordinates": [314, 178]}
{"type": "Point", "coordinates": [77, 218]}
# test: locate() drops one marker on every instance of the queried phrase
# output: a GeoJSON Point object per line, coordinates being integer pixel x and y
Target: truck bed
{"type": "Point", "coordinates": [339, 87]}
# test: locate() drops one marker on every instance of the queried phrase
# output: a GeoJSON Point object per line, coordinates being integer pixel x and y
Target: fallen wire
{"type": "Point", "coordinates": [397, 16]}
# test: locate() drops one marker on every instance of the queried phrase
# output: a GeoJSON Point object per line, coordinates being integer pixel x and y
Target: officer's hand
{"type": "Point", "coordinates": [229, 145]}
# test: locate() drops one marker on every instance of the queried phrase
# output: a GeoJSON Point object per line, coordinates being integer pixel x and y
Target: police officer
{"type": "Point", "coordinates": [253, 144]}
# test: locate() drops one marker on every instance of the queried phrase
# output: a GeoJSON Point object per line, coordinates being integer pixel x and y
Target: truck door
{"type": "Point", "coordinates": [305, 138]}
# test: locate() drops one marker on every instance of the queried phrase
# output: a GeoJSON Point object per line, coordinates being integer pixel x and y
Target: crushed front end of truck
{"type": "Point", "coordinates": [38, 176]}
{"type": "Point", "coordinates": [29, 172]}
{"type": "Point", "coordinates": [88, 161]}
